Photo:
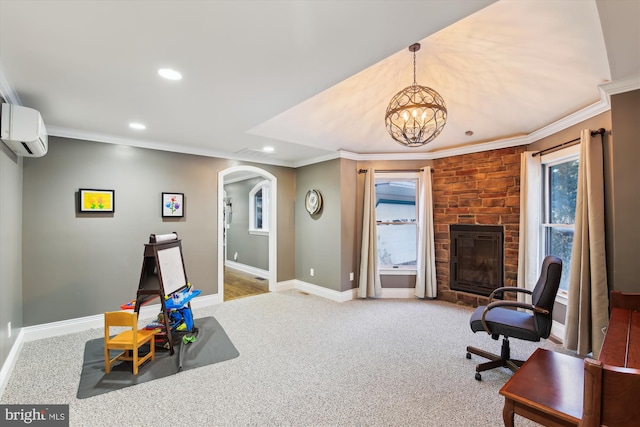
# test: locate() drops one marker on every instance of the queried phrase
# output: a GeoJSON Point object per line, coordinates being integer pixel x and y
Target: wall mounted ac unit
{"type": "Point", "coordinates": [23, 131]}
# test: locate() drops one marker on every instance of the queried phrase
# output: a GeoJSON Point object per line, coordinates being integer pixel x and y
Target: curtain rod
{"type": "Point", "coordinates": [575, 141]}
{"type": "Point", "coordinates": [392, 170]}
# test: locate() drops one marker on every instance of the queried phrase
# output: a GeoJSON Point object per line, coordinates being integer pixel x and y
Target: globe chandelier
{"type": "Point", "coordinates": [417, 114]}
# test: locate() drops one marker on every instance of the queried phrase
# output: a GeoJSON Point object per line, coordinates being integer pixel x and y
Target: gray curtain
{"type": "Point", "coordinates": [588, 305]}
{"type": "Point", "coordinates": [369, 280]}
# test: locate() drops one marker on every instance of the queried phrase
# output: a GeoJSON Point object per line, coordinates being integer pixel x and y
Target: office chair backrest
{"type": "Point", "coordinates": [544, 293]}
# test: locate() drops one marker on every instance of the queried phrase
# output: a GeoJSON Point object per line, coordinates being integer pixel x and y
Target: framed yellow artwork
{"type": "Point", "coordinates": [91, 200]}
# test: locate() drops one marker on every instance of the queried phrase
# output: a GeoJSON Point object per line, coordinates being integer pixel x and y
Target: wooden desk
{"type": "Point", "coordinates": [621, 346]}
{"type": "Point", "coordinates": [612, 383]}
{"type": "Point", "coordinates": [554, 389]}
{"type": "Point", "coordinates": [547, 389]}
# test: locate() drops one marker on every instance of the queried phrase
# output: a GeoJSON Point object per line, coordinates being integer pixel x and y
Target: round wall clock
{"type": "Point", "coordinates": [313, 202]}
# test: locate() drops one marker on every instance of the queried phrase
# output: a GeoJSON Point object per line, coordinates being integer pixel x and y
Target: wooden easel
{"type": "Point", "coordinates": [163, 273]}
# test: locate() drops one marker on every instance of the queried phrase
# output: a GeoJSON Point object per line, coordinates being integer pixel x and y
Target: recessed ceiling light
{"type": "Point", "coordinates": [268, 149]}
{"type": "Point", "coordinates": [170, 74]}
{"type": "Point", "coordinates": [138, 126]}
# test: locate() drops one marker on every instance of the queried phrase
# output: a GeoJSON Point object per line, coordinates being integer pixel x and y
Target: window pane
{"type": "Point", "coordinates": [258, 213]}
{"type": "Point", "coordinates": [560, 242]}
{"type": "Point", "coordinates": [396, 204]}
{"type": "Point", "coordinates": [563, 185]}
{"type": "Point", "coordinates": [397, 245]}
{"type": "Point", "coordinates": [396, 200]}
{"type": "Point", "coordinates": [394, 212]}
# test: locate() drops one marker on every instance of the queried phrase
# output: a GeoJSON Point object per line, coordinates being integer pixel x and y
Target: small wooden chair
{"type": "Point", "coordinates": [129, 340]}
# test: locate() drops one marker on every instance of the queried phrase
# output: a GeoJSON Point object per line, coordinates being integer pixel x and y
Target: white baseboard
{"type": "Point", "coordinates": [284, 286]}
{"type": "Point", "coordinates": [70, 326]}
{"type": "Point", "coordinates": [320, 291]}
{"type": "Point", "coordinates": [347, 295]}
{"type": "Point", "coordinates": [10, 363]}
{"type": "Point", "coordinates": [254, 271]}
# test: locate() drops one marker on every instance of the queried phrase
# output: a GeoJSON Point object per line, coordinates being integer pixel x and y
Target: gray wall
{"type": "Point", "coordinates": [349, 245]}
{"type": "Point", "coordinates": [286, 216]}
{"type": "Point", "coordinates": [625, 118]}
{"type": "Point", "coordinates": [252, 249]}
{"type": "Point", "coordinates": [318, 236]}
{"type": "Point", "coordinates": [79, 264]}
{"type": "Point", "coordinates": [10, 248]}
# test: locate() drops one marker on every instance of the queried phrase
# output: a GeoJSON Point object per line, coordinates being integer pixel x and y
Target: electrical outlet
{"type": "Point", "coordinates": [9, 330]}
{"type": "Point", "coordinates": [351, 276]}
{"type": "Point", "coordinates": [235, 256]}
{"type": "Point", "coordinates": [311, 272]}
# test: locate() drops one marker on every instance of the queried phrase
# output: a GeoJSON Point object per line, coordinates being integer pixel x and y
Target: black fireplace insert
{"type": "Point", "coordinates": [477, 258]}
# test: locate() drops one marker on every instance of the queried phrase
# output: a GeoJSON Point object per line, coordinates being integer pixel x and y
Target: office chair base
{"type": "Point", "coordinates": [495, 361]}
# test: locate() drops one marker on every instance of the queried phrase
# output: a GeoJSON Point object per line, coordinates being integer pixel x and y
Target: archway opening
{"type": "Point", "coordinates": [238, 173]}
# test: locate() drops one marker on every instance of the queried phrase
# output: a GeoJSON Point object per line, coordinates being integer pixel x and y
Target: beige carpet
{"type": "Point", "coordinates": [304, 361]}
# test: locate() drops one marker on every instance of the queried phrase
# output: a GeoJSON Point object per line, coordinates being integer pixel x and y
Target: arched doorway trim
{"type": "Point", "coordinates": [273, 226]}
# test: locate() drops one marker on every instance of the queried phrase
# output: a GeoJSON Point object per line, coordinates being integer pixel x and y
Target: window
{"type": "Point", "coordinates": [560, 185]}
{"type": "Point", "coordinates": [396, 219]}
{"type": "Point", "coordinates": [259, 208]}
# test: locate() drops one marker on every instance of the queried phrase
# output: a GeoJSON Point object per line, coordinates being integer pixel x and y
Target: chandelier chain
{"type": "Point", "coordinates": [415, 82]}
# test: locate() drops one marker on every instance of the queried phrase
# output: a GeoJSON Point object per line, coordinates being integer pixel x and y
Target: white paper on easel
{"type": "Point", "coordinates": [171, 269]}
{"type": "Point", "coordinates": [166, 237]}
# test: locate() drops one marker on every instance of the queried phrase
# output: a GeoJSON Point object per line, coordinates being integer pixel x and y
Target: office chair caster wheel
{"type": "Point", "coordinates": [468, 355]}
{"type": "Point", "coordinates": [478, 376]}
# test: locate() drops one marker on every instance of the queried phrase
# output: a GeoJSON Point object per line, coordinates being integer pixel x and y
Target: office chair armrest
{"type": "Point", "coordinates": [504, 289]}
{"type": "Point", "coordinates": [515, 304]}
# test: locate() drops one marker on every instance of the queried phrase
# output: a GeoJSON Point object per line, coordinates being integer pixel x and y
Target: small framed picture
{"type": "Point", "coordinates": [172, 205]}
{"type": "Point", "coordinates": [95, 201]}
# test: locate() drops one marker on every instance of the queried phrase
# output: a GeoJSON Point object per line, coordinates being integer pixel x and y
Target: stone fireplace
{"type": "Point", "coordinates": [476, 258]}
{"type": "Point", "coordinates": [479, 189]}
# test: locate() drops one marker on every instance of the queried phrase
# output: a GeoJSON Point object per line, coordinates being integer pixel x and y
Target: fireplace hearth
{"type": "Point", "coordinates": [476, 258]}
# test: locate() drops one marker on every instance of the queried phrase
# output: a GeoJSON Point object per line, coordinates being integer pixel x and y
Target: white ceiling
{"type": "Point", "coordinates": [311, 78]}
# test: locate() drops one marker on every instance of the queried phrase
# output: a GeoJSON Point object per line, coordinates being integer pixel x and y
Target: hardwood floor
{"type": "Point", "coordinates": [240, 285]}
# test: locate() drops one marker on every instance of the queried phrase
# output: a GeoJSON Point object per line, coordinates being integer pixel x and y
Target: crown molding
{"type": "Point", "coordinates": [564, 123]}
{"type": "Point", "coordinates": [555, 127]}
{"type": "Point", "coordinates": [477, 148]}
{"type": "Point", "coordinates": [606, 90]}
{"type": "Point", "coordinates": [620, 86]}
{"type": "Point", "coordinates": [314, 160]}
{"type": "Point", "coordinates": [111, 139]}
{"type": "Point", "coordinates": [570, 120]}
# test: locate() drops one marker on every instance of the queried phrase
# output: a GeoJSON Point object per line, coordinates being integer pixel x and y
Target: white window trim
{"type": "Point", "coordinates": [552, 159]}
{"type": "Point", "coordinates": [403, 270]}
{"type": "Point", "coordinates": [263, 185]}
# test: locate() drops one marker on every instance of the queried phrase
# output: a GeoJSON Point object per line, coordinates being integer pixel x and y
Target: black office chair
{"type": "Point", "coordinates": [500, 317]}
